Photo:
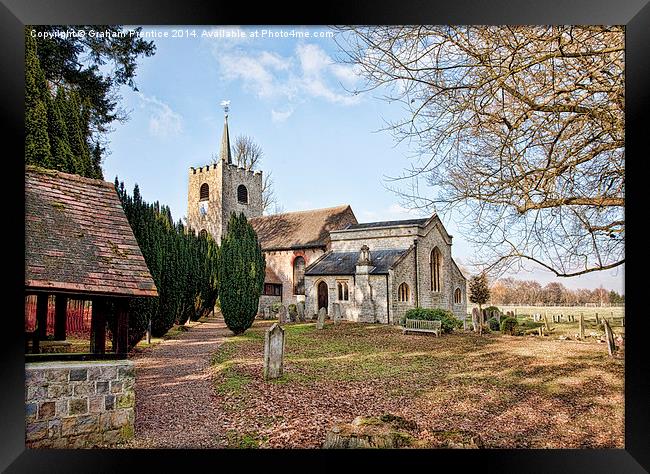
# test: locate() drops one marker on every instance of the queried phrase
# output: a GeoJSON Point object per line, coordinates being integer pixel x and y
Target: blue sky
{"type": "Point", "coordinates": [323, 146]}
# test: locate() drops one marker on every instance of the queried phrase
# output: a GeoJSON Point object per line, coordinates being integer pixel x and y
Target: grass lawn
{"type": "Point", "coordinates": [515, 392]}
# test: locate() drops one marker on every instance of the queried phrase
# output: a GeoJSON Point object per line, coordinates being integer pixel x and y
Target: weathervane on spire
{"type": "Point", "coordinates": [226, 106]}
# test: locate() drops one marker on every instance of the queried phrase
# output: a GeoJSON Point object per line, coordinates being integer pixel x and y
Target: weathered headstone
{"type": "Point", "coordinates": [597, 320]}
{"type": "Point", "coordinates": [540, 330]}
{"type": "Point", "coordinates": [273, 352]}
{"type": "Point", "coordinates": [293, 313]}
{"type": "Point", "coordinates": [300, 308]}
{"type": "Point", "coordinates": [548, 329]}
{"type": "Point", "coordinates": [475, 319]}
{"type": "Point", "coordinates": [582, 327]}
{"type": "Point", "coordinates": [267, 313]}
{"type": "Point", "coordinates": [498, 317]}
{"type": "Point", "coordinates": [609, 336]}
{"type": "Point", "coordinates": [320, 323]}
{"type": "Point", "coordinates": [282, 314]}
{"type": "Point", "coordinates": [337, 313]}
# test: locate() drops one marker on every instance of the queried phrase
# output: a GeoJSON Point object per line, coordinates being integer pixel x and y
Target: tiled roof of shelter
{"type": "Point", "coordinates": [78, 239]}
{"type": "Point", "coordinates": [344, 263]}
{"type": "Point", "coordinates": [302, 229]}
{"type": "Point", "coordinates": [370, 225]}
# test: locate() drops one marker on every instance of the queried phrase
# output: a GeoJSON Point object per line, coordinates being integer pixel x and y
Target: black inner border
{"type": "Point", "coordinates": [633, 13]}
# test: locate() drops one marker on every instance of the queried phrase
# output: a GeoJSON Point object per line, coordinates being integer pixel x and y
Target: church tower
{"type": "Point", "coordinates": [221, 188]}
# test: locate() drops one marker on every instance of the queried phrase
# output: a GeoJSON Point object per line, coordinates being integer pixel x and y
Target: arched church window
{"type": "Point", "coordinates": [299, 276]}
{"type": "Point", "coordinates": [203, 234]}
{"type": "Point", "coordinates": [204, 192]}
{"type": "Point", "coordinates": [242, 194]}
{"type": "Point", "coordinates": [344, 294]}
{"type": "Point", "coordinates": [436, 267]}
{"type": "Point", "coordinates": [457, 296]}
{"type": "Point", "coordinates": [403, 293]}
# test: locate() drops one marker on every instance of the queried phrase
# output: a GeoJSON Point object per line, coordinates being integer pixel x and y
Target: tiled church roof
{"type": "Point", "coordinates": [302, 229]}
{"type": "Point", "coordinates": [77, 238]}
{"type": "Point", "coordinates": [344, 263]}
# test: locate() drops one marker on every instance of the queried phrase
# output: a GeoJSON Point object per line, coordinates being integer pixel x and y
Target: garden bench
{"type": "Point", "coordinates": [422, 325]}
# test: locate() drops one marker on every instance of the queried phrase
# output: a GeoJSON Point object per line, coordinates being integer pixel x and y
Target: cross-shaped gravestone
{"type": "Point", "coordinates": [320, 323]}
{"type": "Point", "coordinates": [273, 352]}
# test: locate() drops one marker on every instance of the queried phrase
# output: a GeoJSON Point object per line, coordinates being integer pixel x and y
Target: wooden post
{"type": "Point", "coordinates": [98, 326]}
{"type": "Point", "coordinates": [122, 325]}
{"type": "Point", "coordinates": [609, 335]}
{"type": "Point", "coordinates": [582, 327]}
{"type": "Point", "coordinates": [597, 320]}
{"type": "Point", "coordinates": [60, 317]}
{"type": "Point", "coordinates": [548, 329]}
{"type": "Point", "coordinates": [41, 315]}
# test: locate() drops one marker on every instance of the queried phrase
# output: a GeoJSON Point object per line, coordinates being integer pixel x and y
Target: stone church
{"type": "Point", "coordinates": [373, 271]}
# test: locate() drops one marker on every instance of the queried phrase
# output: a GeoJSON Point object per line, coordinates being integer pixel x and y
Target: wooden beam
{"type": "Point", "coordinates": [122, 325]}
{"type": "Point", "coordinates": [60, 317]}
{"type": "Point", "coordinates": [41, 315]}
{"type": "Point", "coordinates": [98, 326]}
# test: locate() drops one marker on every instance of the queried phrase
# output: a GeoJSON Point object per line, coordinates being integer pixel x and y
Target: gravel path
{"type": "Point", "coordinates": [175, 397]}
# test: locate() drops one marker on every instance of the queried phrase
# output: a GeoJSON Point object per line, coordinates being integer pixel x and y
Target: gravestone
{"type": "Point", "coordinates": [320, 323]}
{"type": "Point", "coordinates": [499, 317]}
{"type": "Point", "coordinates": [273, 352]}
{"type": "Point", "coordinates": [597, 320]}
{"type": "Point", "coordinates": [293, 313]}
{"type": "Point", "coordinates": [337, 313]}
{"type": "Point", "coordinates": [548, 329]}
{"type": "Point", "coordinates": [267, 313]}
{"type": "Point", "coordinates": [476, 315]}
{"type": "Point", "coordinates": [300, 307]}
{"type": "Point", "coordinates": [282, 314]}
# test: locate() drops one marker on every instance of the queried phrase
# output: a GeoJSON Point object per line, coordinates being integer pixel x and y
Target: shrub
{"type": "Point", "coordinates": [493, 309]}
{"type": "Point", "coordinates": [292, 309]}
{"type": "Point", "coordinates": [275, 306]}
{"type": "Point", "coordinates": [449, 321]}
{"type": "Point", "coordinates": [493, 324]}
{"type": "Point", "coordinates": [509, 326]}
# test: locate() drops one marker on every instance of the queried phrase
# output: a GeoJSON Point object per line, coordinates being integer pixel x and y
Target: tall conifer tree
{"type": "Point", "coordinates": [37, 143]}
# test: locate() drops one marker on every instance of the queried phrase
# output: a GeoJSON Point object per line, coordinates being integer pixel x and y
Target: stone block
{"type": "Point", "coordinates": [102, 387]}
{"type": "Point", "coordinates": [112, 437]}
{"type": "Point", "coordinates": [78, 375]}
{"type": "Point", "coordinates": [54, 428]}
{"type": "Point", "coordinates": [34, 377]}
{"type": "Point", "coordinates": [36, 430]}
{"type": "Point", "coordinates": [119, 418]}
{"type": "Point", "coordinates": [58, 390]}
{"type": "Point", "coordinates": [108, 373]}
{"type": "Point", "coordinates": [46, 410]}
{"type": "Point", "coordinates": [57, 375]}
{"type": "Point", "coordinates": [127, 372]}
{"type": "Point", "coordinates": [78, 406]}
{"type": "Point", "coordinates": [31, 409]}
{"type": "Point", "coordinates": [62, 407]}
{"type": "Point", "coordinates": [125, 400]}
{"type": "Point", "coordinates": [82, 389]}
{"type": "Point", "coordinates": [116, 386]}
{"type": "Point", "coordinates": [96, 403]}
{"type": "Point", "coordinates": [36, 392]}
{"type": "Point", "coordinates": [109, 402]}
{"type": "Point", "coordinates": [76, 425]}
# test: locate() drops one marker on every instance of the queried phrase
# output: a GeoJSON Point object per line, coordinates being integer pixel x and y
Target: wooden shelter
{"type": "Point", "coordinates": [78, 243]}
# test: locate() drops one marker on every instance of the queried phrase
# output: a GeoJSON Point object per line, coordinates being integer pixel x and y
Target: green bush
{"type": "Point", "coordinates": [509, 326]}
{"type": "Point", "coordinates": [292, 308]}
{"type": "Point", "coordinates": [275, 306]}
{"type": "Point", "coordinates": [493, 324]}
{"type": "Point", "coordinates": [449, 321]}
{"type": "Point", "coordinates": [490, 309]}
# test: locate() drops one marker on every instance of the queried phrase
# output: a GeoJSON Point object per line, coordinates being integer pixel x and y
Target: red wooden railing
{"type": "Point", "coordinates": [78, 321]}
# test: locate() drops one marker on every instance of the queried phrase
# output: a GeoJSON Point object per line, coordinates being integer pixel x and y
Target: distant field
{"type": "Point", "coordinates": [588, 312]}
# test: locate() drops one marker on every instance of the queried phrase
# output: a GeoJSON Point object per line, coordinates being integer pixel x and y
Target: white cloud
{"type": "Point", "coordinates": [278, 116]}
{"type": "Point", "coordinates": [309, 73]}
{"type": "Point", "coordinates": [393, 212]}
{"type": "Point", "coordinates": [163, 121]}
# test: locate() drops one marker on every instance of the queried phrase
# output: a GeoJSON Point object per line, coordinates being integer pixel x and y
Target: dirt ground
{"type": "Point", "coordinates": [513, 391]}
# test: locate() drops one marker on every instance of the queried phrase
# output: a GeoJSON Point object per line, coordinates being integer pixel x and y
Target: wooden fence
{"type": "Point", "coordinates": [78, 321]}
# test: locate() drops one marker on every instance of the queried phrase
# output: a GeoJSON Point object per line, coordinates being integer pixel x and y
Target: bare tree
{"type": "Point", "coordinates": [519, 130]}
{"type": "Point", "coordinates": [246, 152]}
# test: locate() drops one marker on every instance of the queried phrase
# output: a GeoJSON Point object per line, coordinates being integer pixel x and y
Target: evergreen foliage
{"type": "Point", "coordinates": [509, 326]}
{"type": "Point", "coordinates": [241, 274]}
{"type": "Point", "coordinates": [183, 265]}
{"type": "Point", "coordinates": [479, 291]}
{"type": "Point", "coordinates": [37, 143]}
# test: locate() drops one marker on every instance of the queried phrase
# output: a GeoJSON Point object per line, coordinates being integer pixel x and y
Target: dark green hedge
{"type": "Point", "coordinates": [449, 321]}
